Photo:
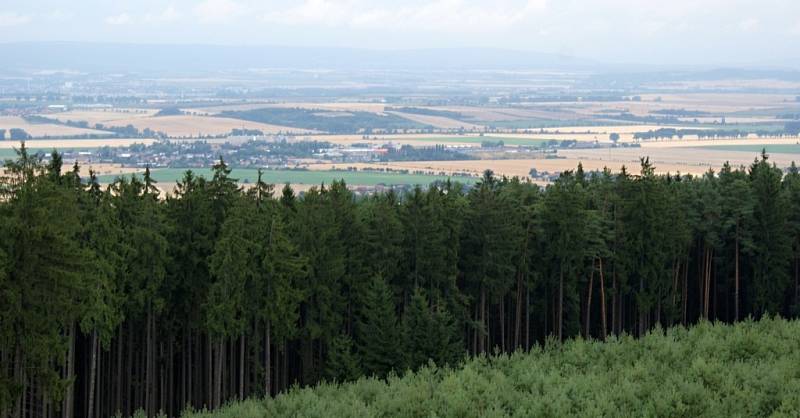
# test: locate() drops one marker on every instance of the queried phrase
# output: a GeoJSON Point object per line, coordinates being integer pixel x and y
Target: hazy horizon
{"type": "Point", "coordinates": [683, 32]}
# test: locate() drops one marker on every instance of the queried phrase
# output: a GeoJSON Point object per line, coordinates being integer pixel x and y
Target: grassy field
{"type": "Point", "coordinates": [748, 369]}
{"type": "Point", "coordinates": [364, 178]}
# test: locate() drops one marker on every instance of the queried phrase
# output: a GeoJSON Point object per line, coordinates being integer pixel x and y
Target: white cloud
{"type": "Point", "coordinates": [170, 14]}
{"type": "Point", "coordinates": [120, 19]}
{"type": "Point", "coordinates": [749, 24]}
{"type": "Point", "coordinates": [435, 15]}
{"type": "Point", "coordinates": [217, 11]}
{"type": "Point", "coordinates": [13, 19]}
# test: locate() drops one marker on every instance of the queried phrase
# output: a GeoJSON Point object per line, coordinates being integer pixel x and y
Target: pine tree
{"type": "Point", "coordinates": [771, 245]}
{"type": "Point", "coordinates": [378, 335]}
{"type": "Point", "coordinates": [342, 363]}
{"type": "Point", "coordinates": [429, 335]}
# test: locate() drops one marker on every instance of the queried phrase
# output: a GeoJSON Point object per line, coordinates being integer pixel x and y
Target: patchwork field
{"type": "Point", "coordinates": [174, 126]}
{"type": "Point", "coordinates": [438, 121]}
{"type": "Point", "coordinates": [44, 129]}
{"type": "Point", "coordinates": [63, 143]}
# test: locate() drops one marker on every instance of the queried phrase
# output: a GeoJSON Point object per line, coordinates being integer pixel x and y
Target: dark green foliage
{"type": "Point", "coordinates": [429, 335]}
{"type": "Point", "coordinates": [342, 364]}
{"type": "Point", "coordinates": [748, 369]}
{"type": "Point", "coordinates": [378, 336]}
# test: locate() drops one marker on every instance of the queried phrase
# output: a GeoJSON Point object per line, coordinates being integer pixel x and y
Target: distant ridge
{"type": "Point", "coordinates": [114, 57]}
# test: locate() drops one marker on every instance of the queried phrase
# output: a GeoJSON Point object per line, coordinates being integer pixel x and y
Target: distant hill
{"type": "Point", "coordinates": [101, 57]}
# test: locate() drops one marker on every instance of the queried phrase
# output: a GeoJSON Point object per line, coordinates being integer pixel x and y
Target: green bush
{"type": "Point", "coordinates": [710, 370]}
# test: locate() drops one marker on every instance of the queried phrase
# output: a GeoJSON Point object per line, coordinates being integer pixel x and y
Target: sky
{"type": "Point", "coordinates": [706, 32]}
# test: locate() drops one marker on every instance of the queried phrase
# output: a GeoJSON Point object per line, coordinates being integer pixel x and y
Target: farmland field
{"type": "Point", "coordinates": [756, 148]}
{"type": "Point", "coordinates": [44, 129]}
{"type": "Point", "coordinates": [65, 143]}
{"type": "Point", "coordinates": [172, 175]}
{"type": "Point", "coordinates": [173, 126]}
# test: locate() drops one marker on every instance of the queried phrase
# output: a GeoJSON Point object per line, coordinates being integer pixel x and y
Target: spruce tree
{"type": "Point", "coordinates": [378, 337]}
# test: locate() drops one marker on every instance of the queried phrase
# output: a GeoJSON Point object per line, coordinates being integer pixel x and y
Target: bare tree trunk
{"type": "Point", "coordinates": [68, 394]}
{"type": "Point", "coordinates": [518, 311]}
{"type": "Point", "coordinates": [119, 345]}
{"type": "Point", "coordinates": [217, 399]}
{"type": "Point", "coordinates": [92, 376]}
{"type": "Point", "coordinates": [241, 366]}
{"type": "Point", "coordinates": [527, 317]}
{"type": "Point", "coordinates": [736, 277]}
{"type": "Point", "coordinates": [561, 304]}
{"type": "Point", "coordinates": [603, 299]}
{"type": "Point", "coordinates": [148, 358]}
{"type": "Point", "coordinates": [19, 378]}
{"type": "Point", "coordinates": [267, 360]}
{"type": "Point", "coordinates": [483, 336]}
{"type": "Point", "coordinates": [589, 302]}
{"type": "Point", "coordinates": [503, 324]}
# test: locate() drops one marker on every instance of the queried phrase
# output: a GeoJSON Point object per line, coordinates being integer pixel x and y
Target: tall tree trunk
{"type": "Point", "coordinates": [267, 360]}
{"type": "Point", "coordinates": [483, 336]}
{"type": "Point", "coordinates": [69, 393]}
{"type": "Point", "coordinates": [217, 401]}
{"type": "Point", "coordinates": [518, 311]}
{"type": "Point", "coordinates": [561, 303]}
{"type": "Point", "coordinates": [118, 396]}
{"type": "Point", "coordinates": [92, 376]}
{"type": "Point", "coordinates": [503, 323]}
{"type": "Point", "coordinates": [685, 293]}
{"type": "Point", "coordinates": [589, 301]}
{"type": "Point", "coordinates": [527, 317]}
{"type": "Point", "coordinates": [796, 284]}
{"type": "Point", "coordinates": [736, 277]}
{"type": "Point", "coordinates": [603, 299]}
{"type": "Point", "coordinates": [19, 378]}
{"type": "Point", "coordinates": [148, 376]}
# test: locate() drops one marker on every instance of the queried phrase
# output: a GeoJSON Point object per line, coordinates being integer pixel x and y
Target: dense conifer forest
{"type": "Point", "coordinates": [118, 299]}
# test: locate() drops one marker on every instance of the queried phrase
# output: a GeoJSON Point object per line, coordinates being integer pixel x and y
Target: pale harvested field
{"type": "Point", "coordinates": [195, 126]}
{"type": "Point", "coordinates": [715, 103]}
{"type": "Point", "coordinates": [684, 143]}
{"type": "Point", "coordinates": [752, 100]}
{"type": "Point", "coordinates": [409, 139]}
{"type": "Point", "coordinates": [100, 169]}
{"type": "Point", "coordinates": [174, 126]}
{"type": "Point", "coordinates": [511, 168]}
{"type": "Point", "coordinates": [437, 121]}
{"type": "Point", "coordinates": [589, 133]}
{"type": "Point", "coordinates": [178, 125]}
{"type": "Point", "coordinates": [684, 160]}
{"type": "Point", "coordinates": [43, 129]}
{"type": "Point", "coordinates": [333, 106]}
{"type": "Point", "coordinates": [764, 83]}
{"type": "Point", "coordinates": [111, 117]}
{"type": "Point", "coordinates": [77, 143]}
{"type": "Point", "coordinates": [665, 160]}
{"type": "Point", "coordinates": [498, 114]}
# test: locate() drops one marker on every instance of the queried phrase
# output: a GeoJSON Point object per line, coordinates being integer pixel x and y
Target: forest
{"type": "Point", "coordinates": [117, 299]}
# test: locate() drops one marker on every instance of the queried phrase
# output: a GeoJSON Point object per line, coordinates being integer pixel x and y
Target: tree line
{"type": "Point", "coordinates": [117, 299]}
